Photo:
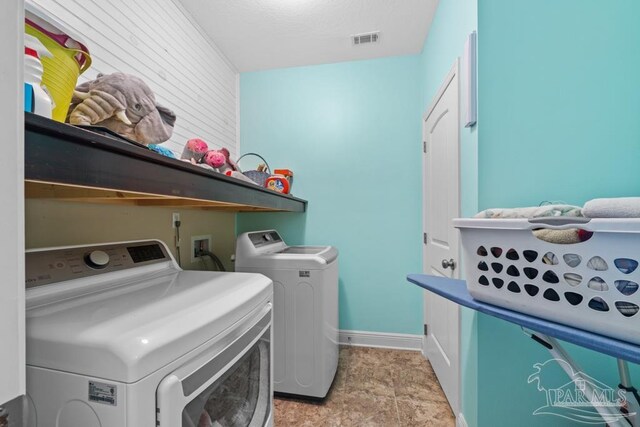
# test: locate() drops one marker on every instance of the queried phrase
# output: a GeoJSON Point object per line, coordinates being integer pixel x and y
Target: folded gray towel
{"type": "Point", "coordinates": [619, 207]}
{"type": "Point", "coordinates": [565, 237]}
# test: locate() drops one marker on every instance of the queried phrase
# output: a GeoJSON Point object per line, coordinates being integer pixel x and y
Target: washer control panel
{"type": "Point", "coordinates": [97, 259]}
{"type": "Point", "coordinates": [57, 265]}
{"type": "Point", "coordinates": [263, 238]}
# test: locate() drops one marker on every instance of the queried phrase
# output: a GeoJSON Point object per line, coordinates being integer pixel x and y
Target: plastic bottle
{"type": "Point", "coordinates": [37, 100]}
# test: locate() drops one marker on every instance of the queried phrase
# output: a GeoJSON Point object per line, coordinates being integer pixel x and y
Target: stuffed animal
{"type": "Point", "coordinates": [219, 160]}
{"type": "Point", "coordinates": [197, 153]}
{"type": "Point", "coordinates": [124, 104]}
{"type": "Point", "coordinates": [195, 149]}
{"type": "Point", "coordinates": [161, 150]}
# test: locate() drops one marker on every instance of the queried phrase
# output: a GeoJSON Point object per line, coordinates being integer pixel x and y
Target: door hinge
{"type": "Point", "coordinates": [426, 329]}
{"type": "Point", "coordinates": [424, 238]}
{"type": "Point", "coordinates": [424, 146]}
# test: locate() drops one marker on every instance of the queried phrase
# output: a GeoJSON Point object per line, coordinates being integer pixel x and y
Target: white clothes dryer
{"type": "Point", "coordinates": [305, 309]}
{"type": "Point", "coordinates": [119, 336]}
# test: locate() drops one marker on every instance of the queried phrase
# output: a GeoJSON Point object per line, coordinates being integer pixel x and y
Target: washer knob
{"type": "Point", "coordinates": [97, 259]}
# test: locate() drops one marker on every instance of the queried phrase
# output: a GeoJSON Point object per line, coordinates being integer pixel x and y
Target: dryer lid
{"type": "Point", "coordinates": [130, 328]}
{"type": "Point", "coordinates": [309, 258]}
{"type": "Point", "coordinates": [303, 250]}
{"type": "Point", "coordinates": [326, 253]}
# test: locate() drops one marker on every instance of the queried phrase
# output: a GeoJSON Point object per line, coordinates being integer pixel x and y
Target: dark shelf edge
{"type": "Point", "coordinates": [64, 154]}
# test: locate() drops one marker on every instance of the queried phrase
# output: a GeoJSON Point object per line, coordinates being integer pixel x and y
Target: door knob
{"type": "Point", "coordinates": [449, 264]}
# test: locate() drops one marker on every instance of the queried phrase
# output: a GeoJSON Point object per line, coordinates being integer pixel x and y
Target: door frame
{"type": "Point", "coordinates": [12, 264]}
{"type": "Point", "coordinates": [453, 73]}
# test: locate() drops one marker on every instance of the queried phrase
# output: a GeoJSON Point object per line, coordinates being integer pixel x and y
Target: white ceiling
{"type": "Point", "coordinates": [264, 34]}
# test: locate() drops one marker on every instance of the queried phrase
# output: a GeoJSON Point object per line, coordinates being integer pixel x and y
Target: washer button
{"type": "Point", "coordinates": [97, 259]}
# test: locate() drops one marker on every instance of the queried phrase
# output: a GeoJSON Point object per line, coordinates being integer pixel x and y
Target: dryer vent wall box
{"type": "Point", "coordinates": [119, 335]}
{"type": "Point", "coordinates": [200, 245]}
{"type": "Point", "coordinates": [305, 309]}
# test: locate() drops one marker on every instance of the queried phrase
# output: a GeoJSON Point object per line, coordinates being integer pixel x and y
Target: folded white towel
{"type": "Point", "coordinates": [531, 212]}
{"type": "Point", "coordinates": [620, 207]}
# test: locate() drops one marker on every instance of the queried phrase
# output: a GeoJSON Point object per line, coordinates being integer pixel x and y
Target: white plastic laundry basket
{"type": "Point", "coordinates": [592, 285]}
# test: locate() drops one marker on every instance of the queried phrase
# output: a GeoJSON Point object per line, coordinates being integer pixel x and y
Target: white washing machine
{"type": "Point", "coordinates": [119, 336]}
{"type": "Point", "coordinates": [305, 309]}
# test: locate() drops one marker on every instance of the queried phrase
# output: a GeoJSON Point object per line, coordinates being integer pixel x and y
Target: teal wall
{"type": "Point", "coordinates": [559, 119]}
{"type": "Point", "coordinates": [453, 22]}
{"type": "Point", "coordinates": [560, 102]}
{"type": "Point", "coordinates": [351, 134]}
{"type": "Point", "coordinates": [559, 106]}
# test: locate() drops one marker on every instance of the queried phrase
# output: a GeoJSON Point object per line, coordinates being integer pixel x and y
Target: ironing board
{"type": "Point", "coordinates": [545, 333]}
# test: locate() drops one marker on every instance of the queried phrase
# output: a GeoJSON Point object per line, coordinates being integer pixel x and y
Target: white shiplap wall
{"type": "Point", "coordinates": [158, 41]}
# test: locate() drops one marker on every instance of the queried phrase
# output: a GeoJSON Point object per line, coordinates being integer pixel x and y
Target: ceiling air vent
{"type": "Point", "coordinates": [366, 38]}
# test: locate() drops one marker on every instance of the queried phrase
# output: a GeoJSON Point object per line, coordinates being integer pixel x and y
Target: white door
{"type": "Point", "coordinates": [441, 249]}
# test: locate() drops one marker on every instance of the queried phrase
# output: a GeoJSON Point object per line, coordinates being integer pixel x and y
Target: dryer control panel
{"type": "Point", "coordinates": [61, 264]}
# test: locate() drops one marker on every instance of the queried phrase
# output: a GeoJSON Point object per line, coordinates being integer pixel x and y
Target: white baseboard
{"type": "Point", "coordinates": [461, 422]}
{"type": "Point", "coordinates": [381, 340]}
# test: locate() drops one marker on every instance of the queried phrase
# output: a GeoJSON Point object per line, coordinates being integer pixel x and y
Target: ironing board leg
{"type": "Point", "coordinates": [612, 415]}
{"type": "Point", "coordinates": [630, 392]}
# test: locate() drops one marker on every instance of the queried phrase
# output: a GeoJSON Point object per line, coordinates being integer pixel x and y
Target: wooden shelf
{"type": "Point", "coordinates": [65, 162]}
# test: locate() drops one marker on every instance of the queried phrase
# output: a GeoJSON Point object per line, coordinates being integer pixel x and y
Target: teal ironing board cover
{"type": "Point", "coordinates": [456, 291]}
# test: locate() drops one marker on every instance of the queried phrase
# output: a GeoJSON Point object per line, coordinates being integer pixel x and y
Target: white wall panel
{"type": "Point", "coordinates": [12, 344]}
{"type": "Point", "coordinates": [158, 41]}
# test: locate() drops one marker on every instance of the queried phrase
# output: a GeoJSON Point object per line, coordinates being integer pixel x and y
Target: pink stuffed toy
{"type": "Point", "coordinates": [194, 149]}
{"type": "Point", "coordinates": [220, 160]}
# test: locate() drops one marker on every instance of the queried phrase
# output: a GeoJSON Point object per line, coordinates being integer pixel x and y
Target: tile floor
{"type": "Point", "coordinates": [374, 387]}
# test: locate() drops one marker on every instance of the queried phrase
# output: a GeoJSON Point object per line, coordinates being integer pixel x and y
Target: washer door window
{"type": "Point", "coordinates": [229, 386]}
{"type": "Point", "coordinates": [239, 398]}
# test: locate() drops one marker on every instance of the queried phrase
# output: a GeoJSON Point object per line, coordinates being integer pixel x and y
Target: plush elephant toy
{"type": "Point", "coordinates": [124, 104]}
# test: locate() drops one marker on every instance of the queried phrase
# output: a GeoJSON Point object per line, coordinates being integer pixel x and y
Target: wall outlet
{"type": "Point", "coordinates": [174, 217]}
{"type": "Point", "coordinates": [198, 244]}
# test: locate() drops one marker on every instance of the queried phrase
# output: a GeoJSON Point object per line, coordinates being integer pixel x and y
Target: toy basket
{"type": "Point", "coordinates": [591, 285]}
{"type": "Point", "coordinates": [256, 176]}
{"type": "Point", "coordinates": [70, 57]}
